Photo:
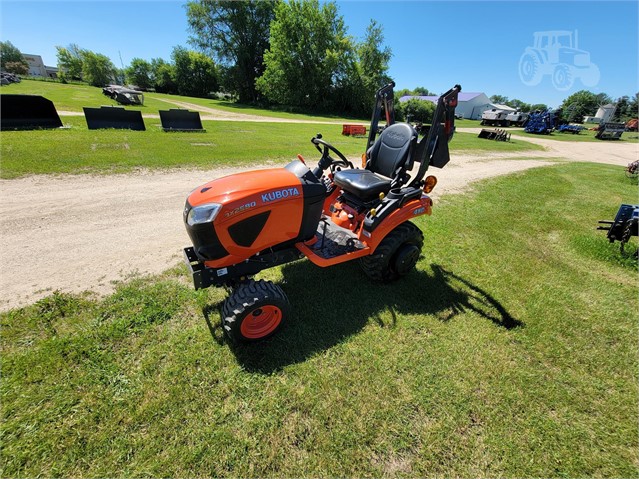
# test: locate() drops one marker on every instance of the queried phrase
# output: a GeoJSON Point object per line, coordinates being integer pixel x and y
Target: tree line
{"type": "Point", "coordinates": [189, 73]}
{"type": "Point", "coordinates": [585, 103]}
{"type": "Point", "coordinates": [296, 54]}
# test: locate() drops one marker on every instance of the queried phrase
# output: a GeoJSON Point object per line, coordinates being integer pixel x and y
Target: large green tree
{"type": "Point", "coordinates": [499, 99]}
{"type": "Point", "coordinates": [373, 59]}
{"type": "Point", "coordinates": [139, 73]}
{"type": "Point", "coordinates": [236, 33]}
{"type": "Point", "coordinates": [69, 62]}
{"type": "Point", "coordinates": [363, 70]}
{"type": "Point", "coordinates": [306, 56]}
{"type": "Point", "coordinates": [195, 73]}
{"type": "Point", "coordinates": [415, 110]}
{"type": "Point", "coordinates": [633, 106]}
{"type": "Point", "coordinates": [418, 91]}
{"type": "Point", "coordinates": [97, 69]}
{"type": "Point", "coordinates": [538, 106]}
{"type": "Point", "coordinates": [11, 59]}
{"type": "Point", "coordinates": [583, 103]}
{"type": "Point", "coordinates": [163, 76]}
{"type": "Point", "coordinates": [519, 105]}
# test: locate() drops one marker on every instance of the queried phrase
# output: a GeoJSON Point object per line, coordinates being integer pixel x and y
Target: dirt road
{"type": "Point", "coordinates": [207, 113]}
{"type": "Point", "coordinates": [75, 233]}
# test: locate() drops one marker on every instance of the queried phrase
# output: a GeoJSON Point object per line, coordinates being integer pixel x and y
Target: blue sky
{"type": "Point", "coordinates": [434, 44]}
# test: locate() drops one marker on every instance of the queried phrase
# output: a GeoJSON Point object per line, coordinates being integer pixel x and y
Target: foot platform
{"type": "Point", "coordinates": [333, 244]}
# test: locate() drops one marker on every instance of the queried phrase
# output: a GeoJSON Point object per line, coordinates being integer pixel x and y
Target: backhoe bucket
{"type": "Point", "coordinates": [441, 155]}
{"type": "Point", "coordinates": [487, 134]}
{"type": "Point", "coordinates": [180, 120]}
{"type": "Point", "coordinates": [27, 112]}
{"type": "Point", "coordinates": [113, 117]}
{"type": "Point", "coordinates": [497, 135]}
{"type": "Point", "coordinates": [610, 131]}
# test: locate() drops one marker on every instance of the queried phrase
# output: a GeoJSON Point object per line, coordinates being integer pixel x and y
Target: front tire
{"type": "Point", "coordinates": [255, 310]}
{"type": "Point", "coordinates": [396, 255]}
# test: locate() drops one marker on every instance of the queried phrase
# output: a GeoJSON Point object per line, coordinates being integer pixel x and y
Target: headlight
{"type": "Point", "coordinates": [205, 213]}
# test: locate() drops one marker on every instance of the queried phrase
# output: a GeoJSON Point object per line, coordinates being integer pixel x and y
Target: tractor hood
{"type": "Point", "coordinates": [233, 218]}
{"type": "Point", "coordinates": [246, 191]}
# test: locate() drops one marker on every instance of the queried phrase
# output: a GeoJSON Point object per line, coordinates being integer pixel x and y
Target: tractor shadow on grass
{"type": "Point", "coordinates": [332, 304]}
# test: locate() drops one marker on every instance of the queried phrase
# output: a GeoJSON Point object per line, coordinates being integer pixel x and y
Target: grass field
{"type": "Point", "coordinates": [79, 150]}
{"type": "Point", "coordinates": [510, 352]}
{"type": "Point", "coordinates": [72, 97]}
{"type": "Point", "coordinates": [232, 107]}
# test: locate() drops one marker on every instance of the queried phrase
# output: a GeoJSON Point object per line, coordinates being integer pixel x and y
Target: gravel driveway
{"type": "Point", "coordinates": [81, 232]}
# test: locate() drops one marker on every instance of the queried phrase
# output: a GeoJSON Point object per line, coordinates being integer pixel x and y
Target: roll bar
{"type": "Point", "coordinates": [432, 150]}
{"type": "Point", "coordinates": [383, 98]}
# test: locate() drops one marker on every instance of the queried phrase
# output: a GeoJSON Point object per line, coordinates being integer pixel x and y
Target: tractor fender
{"type": "Point", "coordinates": [412, 209]}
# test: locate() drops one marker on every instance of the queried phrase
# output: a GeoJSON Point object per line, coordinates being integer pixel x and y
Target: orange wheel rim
{"type": "Point", "coordinates": [261, 322]}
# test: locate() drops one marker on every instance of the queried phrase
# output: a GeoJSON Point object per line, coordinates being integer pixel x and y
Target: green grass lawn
{"type": "Point", "coordinates": [232, 107]}
{"type": "Point", "coordinates": [510, 352]}
{"type": "Point", "coordinates": [463, 123]}
{"type": "Point", "coordinates": [79, 150]}
{"type": "Point", "coordinates": [72, 97]}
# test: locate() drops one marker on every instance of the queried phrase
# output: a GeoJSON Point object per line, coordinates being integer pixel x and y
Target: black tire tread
{"type": "Point", "coordinates": [627, 234]}
{"type": "Point", "coordinates": [376, 265]}
{"type": "Point", "coordinates": [244, 298]}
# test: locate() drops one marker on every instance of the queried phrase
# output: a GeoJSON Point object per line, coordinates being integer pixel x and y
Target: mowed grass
{"type": "Point", "coordinates": [72, 97]}
{"type": "Point", "coordinates": [274, 112]}
{"type": "Point", "coordinates": [78, 150]}
{"type": "Point", "coordinates": [509, 352]}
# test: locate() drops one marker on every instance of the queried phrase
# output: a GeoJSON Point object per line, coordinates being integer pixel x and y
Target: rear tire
{"type": "Point", "coordinates": [255, 310]}
{"type": "Point", "coordinates": [396, 255]}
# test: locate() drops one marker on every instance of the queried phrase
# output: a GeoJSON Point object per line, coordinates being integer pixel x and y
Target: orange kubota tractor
{"type": "Point", "coordinates": [247, 222]}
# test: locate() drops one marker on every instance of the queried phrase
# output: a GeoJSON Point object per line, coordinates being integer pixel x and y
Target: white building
{"type": "Point", "coordinates": [604, 114]}
{"type": "Point", "coordinates": [470, 105]}
{"type": "Point", "coordinates": [37, 68]}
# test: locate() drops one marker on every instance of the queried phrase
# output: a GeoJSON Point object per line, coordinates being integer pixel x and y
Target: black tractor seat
{"type": "Point", "coordinates": [389, 160]}
{"type": "Point", "coordinates": [364, 184]}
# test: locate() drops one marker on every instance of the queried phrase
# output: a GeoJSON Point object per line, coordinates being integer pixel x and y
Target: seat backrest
{"type": "Point", "coordinates": [390, 154]}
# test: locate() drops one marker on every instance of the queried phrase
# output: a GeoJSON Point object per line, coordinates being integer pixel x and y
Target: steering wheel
{"type": "Point", "coordinates": [324, 150]}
